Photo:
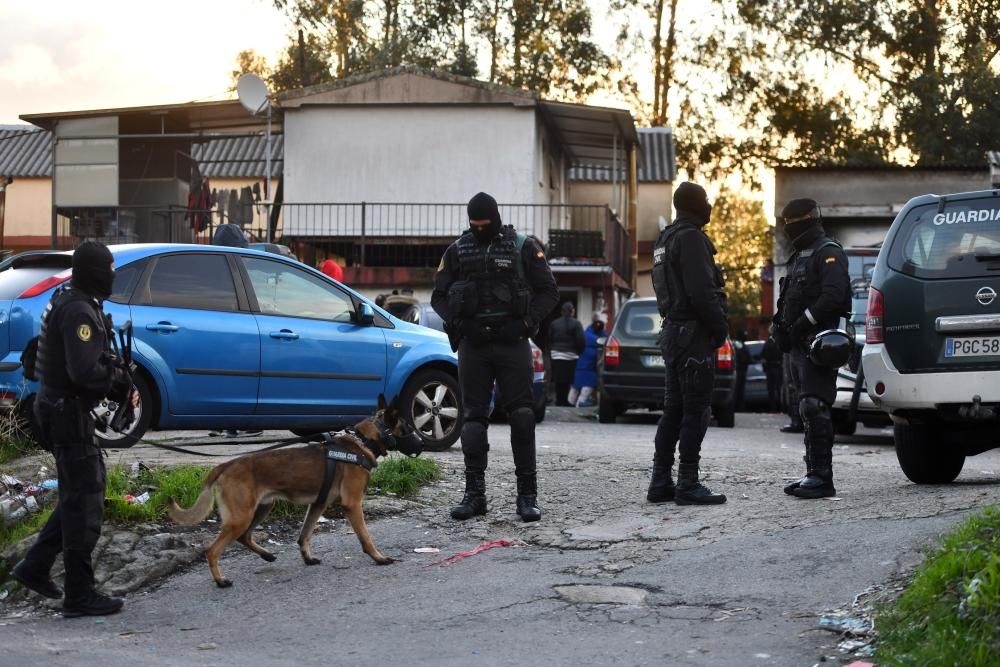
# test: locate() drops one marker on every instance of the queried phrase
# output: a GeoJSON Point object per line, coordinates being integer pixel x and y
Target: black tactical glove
{"type": "Point", "coordinates": [801, 328]}
{"type": "Point", "coordinates": [474, 331]}
{"type": "Point", "coordinates": [513, 331]}
{"type": "Point", "coordinates": [120, 385]}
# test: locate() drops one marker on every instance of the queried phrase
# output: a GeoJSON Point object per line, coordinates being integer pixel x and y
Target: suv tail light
{"type": "Point", "coordinates": [537, 360]}
{"type": "Point", "coordinates": [46, 284]}
{"type": "Point", "coordinates": [874, 332]}
{"type": "Point", "coordinates": [611, 352]}
{"type": "Point", "coordinates": [724, 356]}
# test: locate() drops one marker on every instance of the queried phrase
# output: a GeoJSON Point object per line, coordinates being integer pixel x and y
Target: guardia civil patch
{"type": "Point", "coordinates": [83, 332]}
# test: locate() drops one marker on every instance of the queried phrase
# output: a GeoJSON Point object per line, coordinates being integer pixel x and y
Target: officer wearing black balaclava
{"type": "Point", "coordinates": [492, 289]}
{"type": "Point", "coordinates": [76, 370]}
{"type": "Point", "coordinates": [813, 297]}
{"type": "Point", "coordinates": [688, 285]}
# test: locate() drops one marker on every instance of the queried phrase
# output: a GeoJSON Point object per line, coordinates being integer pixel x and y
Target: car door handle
{"type": "Point", "coordinates": [165, 327]}
{"type": "Point", "coordinates": [284, 334]}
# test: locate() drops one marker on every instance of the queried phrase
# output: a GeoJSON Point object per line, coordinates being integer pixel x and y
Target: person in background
{"type": "Point", "coordinates": [566, 342]}
{"type": "Point", "coordinates": [772, 358]}
{"type": "Point", "coordinates": [585, 380]}
{"type": "Point", "coordinates": [333, 270]}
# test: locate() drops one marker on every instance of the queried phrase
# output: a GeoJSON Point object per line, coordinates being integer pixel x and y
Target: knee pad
{"type": "Point", "coordinates": [521, 419]}
{"type": "Point", "coordinates": [474, 434]}
{"type": "Point", "coordinates": [812, 408]}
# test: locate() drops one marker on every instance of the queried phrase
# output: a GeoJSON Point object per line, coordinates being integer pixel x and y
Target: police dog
{"type": "Point", "coordinates": [249, 485]}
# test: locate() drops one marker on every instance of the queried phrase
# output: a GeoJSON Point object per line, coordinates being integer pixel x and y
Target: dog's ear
{"type": "Point", "coordinates": [381, 402]}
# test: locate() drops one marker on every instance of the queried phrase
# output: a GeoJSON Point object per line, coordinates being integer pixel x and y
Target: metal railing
{"type": "Point", "coordinates": [367, 234]}
{"type": "Point", "coordinates": [416, 234]}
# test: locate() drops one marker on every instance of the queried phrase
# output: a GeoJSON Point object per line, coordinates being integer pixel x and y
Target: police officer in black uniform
{"type": "Point", "coordinates": [689, 294]}
{"type": "Point", "coordinates": [814, 295]}
{"type": "Point", "coordinates": [76, 370]}
{"type": "Point", "coordinates": [493, 288]}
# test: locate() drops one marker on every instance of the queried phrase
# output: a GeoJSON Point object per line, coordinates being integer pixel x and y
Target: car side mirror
{"type": "Point", "coordinates": [365, 315]}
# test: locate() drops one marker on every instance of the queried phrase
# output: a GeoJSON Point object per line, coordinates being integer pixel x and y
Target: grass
{"type": "Point", "coordinates": [403, 476]}
{"type": "Point", "coordinates": [14, 439]}
{"type": "Point", "coordinates": [949, 614]}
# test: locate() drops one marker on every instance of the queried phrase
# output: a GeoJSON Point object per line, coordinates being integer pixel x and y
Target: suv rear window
{"type": "Point", "coordinates": [642, 321]}
{"type": "Point", "coordinates": [961, 240]}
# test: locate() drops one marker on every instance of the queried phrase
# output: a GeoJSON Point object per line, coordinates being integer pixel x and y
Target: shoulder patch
{"type": "Point", "coordinates": [830, 260]}
{"type": "Point", "coordinates": [540, 254]}
{"type": "Point", "coordinates": [441, 265]}
{"type": "Point", "coordinates": [84, 333]}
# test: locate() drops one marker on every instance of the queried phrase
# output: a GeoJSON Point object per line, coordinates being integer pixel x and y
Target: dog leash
{"type": "Point", "coordinates": [279, 444]}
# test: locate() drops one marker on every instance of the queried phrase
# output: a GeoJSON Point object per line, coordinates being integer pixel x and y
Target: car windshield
{"type": "Point", "coordinates": [959, 240]}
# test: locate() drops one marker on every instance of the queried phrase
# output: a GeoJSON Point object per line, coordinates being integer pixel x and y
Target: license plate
{"type": "Point", "coordinates": [979, 346]}
{"type": "Point", "coordinates": [652, 360]}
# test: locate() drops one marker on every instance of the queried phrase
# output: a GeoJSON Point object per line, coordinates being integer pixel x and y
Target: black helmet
{"type": "Point", "coordinates": [831, 348]}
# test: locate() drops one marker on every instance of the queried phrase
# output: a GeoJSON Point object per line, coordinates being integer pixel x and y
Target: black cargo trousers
{"type": "Point", "coordinates": [689, 360]}
{"type": "Point", "coordinates": [509, 364]}
{"type": "Point", "coordinates": [75, 525]}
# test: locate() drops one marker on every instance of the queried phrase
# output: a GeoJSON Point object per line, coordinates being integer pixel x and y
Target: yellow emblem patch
{"type": "Point", "coordinates": [84, 333]}
{"type": "Point", "coordinates": [830, 260]}
{"type": "Point", "coordinates": [539, 254]}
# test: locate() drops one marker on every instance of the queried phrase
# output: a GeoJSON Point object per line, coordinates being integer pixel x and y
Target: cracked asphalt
{"type": "Point", "coordinates": [604, 579]}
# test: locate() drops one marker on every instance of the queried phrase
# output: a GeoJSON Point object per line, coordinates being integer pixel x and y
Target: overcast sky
{"type": "Point", "coordinates": [65, 55]}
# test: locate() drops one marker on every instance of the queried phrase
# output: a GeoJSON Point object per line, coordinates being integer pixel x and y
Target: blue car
{"type": "Point", "coordinates": [238, 338]}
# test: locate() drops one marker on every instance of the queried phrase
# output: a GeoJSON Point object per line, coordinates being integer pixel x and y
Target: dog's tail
{"type": "Point", "coordinates": [203, 506]}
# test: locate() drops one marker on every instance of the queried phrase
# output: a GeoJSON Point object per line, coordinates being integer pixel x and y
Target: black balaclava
{"type": "Point", "coordinates": [484, 207]}
{"type": "Point", "coordinates": [803, 224]}
{"type": "Point", "coordinates": [92, 269]}
{"type": "Point", "coordinates": [691, 198]}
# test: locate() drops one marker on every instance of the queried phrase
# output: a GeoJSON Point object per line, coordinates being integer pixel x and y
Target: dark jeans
{"type": "Point", "coordinates": [687, 405]}
{"type": "Point", "coordinates": [509, 365]}
{"type": "Point", "coordinates": [75, 524]}
{"type": "Point", "coordinates": [773, 388]}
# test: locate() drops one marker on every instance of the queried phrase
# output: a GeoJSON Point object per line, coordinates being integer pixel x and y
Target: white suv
{"type": "Point", "coordinates": [932, 358]}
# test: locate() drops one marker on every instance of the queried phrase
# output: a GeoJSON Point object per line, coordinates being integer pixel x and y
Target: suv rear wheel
{"type": "Point", "coordinates": [925, 456]}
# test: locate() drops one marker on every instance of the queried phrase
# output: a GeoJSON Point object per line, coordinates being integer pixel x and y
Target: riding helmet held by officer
{"type": "Point", "coordinates": [76, 370]}
{"type": "Point", "coordinates": [814, 296]}
{"type": "Point", "coordinates": [492, 289]}
{"type": "Point", "coordinates": [690, 298]}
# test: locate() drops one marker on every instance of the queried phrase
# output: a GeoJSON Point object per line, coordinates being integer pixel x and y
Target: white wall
{"type": "Point", "coordinates": [435, 154]}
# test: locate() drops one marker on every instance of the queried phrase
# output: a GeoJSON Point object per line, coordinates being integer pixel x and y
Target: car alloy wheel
{"type": "Point", "coordinates": [435, 410]}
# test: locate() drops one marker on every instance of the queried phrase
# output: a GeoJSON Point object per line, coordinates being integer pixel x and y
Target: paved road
{"type": "Point", "coordinates": [604, 578]}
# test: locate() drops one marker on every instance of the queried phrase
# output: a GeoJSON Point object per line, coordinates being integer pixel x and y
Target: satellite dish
{"type": "Point", "coordinates": [253, 93]}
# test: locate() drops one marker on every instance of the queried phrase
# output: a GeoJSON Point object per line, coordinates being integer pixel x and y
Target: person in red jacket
{"type": "Point", "coordinates": [332, 269]}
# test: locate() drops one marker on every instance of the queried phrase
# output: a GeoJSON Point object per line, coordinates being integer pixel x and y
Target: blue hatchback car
{"type": "Point", "coordinates": [238, 338]}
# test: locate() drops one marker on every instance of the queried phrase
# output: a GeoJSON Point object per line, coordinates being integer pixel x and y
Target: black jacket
{"type": "Point", "coordinates": [566, 335]}
{"type": "Point", "coordinates": [816, 293]}
{"type": "Point", "coordinates": [686, 279]}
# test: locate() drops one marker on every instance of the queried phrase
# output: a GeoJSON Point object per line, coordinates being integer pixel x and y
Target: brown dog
{"type": "Point", "coordinates": [249, 485]}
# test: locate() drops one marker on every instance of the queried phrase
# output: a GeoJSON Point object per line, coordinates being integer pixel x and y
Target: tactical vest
{"type": "Point", "coordinates": [672, 299]}
{"type": "Point", "coordinates": [50, 364]}
{"type": "Point", "coordinates": [497, 271]}
{"type": "Point", "coordinates": [802, 287]}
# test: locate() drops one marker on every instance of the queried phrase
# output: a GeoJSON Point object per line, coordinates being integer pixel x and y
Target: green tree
{"type": "Point", "coordinates": [743, 239]}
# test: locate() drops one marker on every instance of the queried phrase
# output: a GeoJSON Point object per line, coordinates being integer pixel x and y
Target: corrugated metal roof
{"type": "Point", "coordinates": [657, 163]}
{"type": "Point", "coordinates": [25, 151]}
{"type": "Point", "coordinates": [239, 157]}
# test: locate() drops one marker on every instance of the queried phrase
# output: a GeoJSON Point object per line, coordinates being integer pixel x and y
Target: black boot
{"type": "Point", "coordinates": [692, 492]}
{"type": "Point", "coordinates": [819, 482]}
{"type": "Point", "coordinates": [790, 488]}
{"type": "Point", "coordinates": [794, 426]}
{"type": "Point", "coordinates": [661, 486]}
{"type": "Point", "coordinates": [91, 604]}
{"type": "Point", "coordinates": [33, 579]}
{"type": "Point", "coordinates": [527, 498]}
{"type": "Point", "coordinates": [474, 501]}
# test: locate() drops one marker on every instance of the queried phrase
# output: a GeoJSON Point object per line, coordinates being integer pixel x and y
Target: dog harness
{"type": "Point", "coordinates": [334, 452]}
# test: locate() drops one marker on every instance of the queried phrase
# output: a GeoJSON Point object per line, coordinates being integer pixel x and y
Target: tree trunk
{"type": "Point", "coordinates": [658, 115]}
{"type": "Point", "coordinates": [668, 62]}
